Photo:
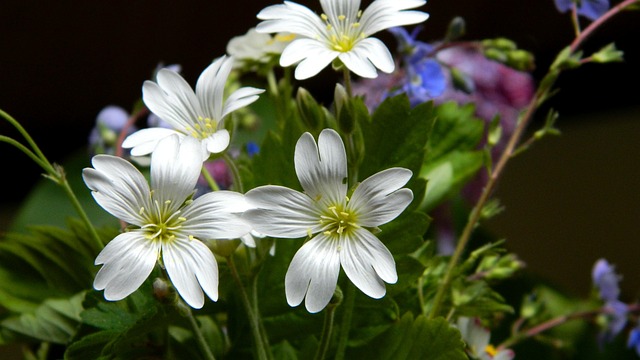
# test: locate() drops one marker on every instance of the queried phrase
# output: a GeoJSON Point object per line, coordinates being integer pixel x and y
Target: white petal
{"type": "Point", "coordinates": [175, 168]}
{"type": "Point", "coordinates": [241, 98]}
{"type": "Point", "coordinates": [118, 187]}
{"type": "Point", "coordinates": [218, 141]}
{"type": "Point", "coordinates": [377, 52]}
{"type": "Point", "coordinates": [180, 95]}
{"type": "Point", "coordinates": [322, 168]}
{"type": "Point", "coordinates": [216, 215]}
{"type": "Point", "coordinates": [357, 62]}
{"type": "Point", "coordinates": [313, 271]}
{"type": "Point", "coordinates": [367, 262]}
{"type": "Point", "coordinates": [191, 268]}
{"type": "Point", "coordinates": [290, 17]}
{"type": "Point", "coordinates": [378, 200]}
{"type": "Point", "coordinates": [311, 54]}
{"type": "Point", "coordinates": [384, 14]}
{"type": "Point", "coordinates": [210, 86]}
{"type": "Point", "coordinates": [143, 142]}
{"type": "Point", "coordinates": [282, 212]}
{"type": "Point", "coordinates": [159, 103]}
{"type": "Point", "coordinates": [128, 260]}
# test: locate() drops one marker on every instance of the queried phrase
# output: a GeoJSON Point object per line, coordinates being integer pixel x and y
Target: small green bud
{"type": "Point", "coordinates": [495, 54]}
{"type": "Point", "coordinates": [607, 54]}
{"type": "Point", "coordinates": [520, 60]}
{"type": "Point", "coordinates": [310, 111]}
{"type": "Point", "coordinates": [462, 81]}
{"type": "Point", "coordinates": [225, 248]}
{"type": "Point", "coordinates": [457, 28]}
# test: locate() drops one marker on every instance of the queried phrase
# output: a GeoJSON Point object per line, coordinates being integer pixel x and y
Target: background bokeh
{"type": "Point", "coordinates": [569, 200]}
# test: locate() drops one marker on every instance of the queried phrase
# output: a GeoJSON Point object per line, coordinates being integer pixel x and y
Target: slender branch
{"type": "Point", "coordinates": [27, 137]}
{"type": "Point", "coordinates": [54, 172]}
{"type": "Point", "coordinates": [125, 129]}
{"type": "Point", "coordinates": [557, 321]}
{"type": "Point", "coordinates": [206, 350]}
{"type": "Point", "coordinates": [237, 180]}
{"type": "Point", "coordinates": [327, 329]}
{"type": "Point", "coordinates": [210, 180]}
{"type": "Point", "coordinates": [254, 324]}
{"type": "Point", "coordinates": [524, 121]}
{"type": "Point", "coordinates": [44, 165]}
{"type": "Point", "coordinates": [598, 22]}
{"type": "Point", "coordinates": [345, 325]}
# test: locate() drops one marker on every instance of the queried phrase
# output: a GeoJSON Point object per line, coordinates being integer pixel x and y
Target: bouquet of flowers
{"type": "Point", "coordinates": [242, 217]}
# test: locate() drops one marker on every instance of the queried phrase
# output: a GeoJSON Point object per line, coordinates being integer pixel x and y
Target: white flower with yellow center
{"type": "Point", "coordinates": [342, 31]}
{"type": "Point", "coordinates": [257, 47]}
{"type": "Point", "coordinates": [198, 114]}
{"type": "Point", "coordinates": [167, 226]}
{"type": "Point", "coordinates": [340, 224]}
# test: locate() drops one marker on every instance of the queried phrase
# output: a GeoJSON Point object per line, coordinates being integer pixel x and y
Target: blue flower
{"type": "Point", "coordinates": [425, 78]}
{"type": "Point", "coordinates": [252, 148]}
{"type": "Point", "coordinates": [591, 9]}
{"type": "Point", "coordinates": [606, 280]}
{"type": "Point", "coordinates": [634, 339]}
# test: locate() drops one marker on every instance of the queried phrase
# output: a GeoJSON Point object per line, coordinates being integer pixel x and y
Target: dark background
{"type": "Point", "coordinates": [568, 201]}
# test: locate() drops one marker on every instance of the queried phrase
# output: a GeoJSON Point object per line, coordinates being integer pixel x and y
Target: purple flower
{"type": "Point", "coordinates": [110, 121]}
{"type": "Point", "coordinates": [591, 9]}
{"type": "Point", "coordinates": [606, 280]}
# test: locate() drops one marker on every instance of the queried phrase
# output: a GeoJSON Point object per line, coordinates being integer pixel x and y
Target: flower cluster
{"type": "Point", "coordinates": [381, 190]}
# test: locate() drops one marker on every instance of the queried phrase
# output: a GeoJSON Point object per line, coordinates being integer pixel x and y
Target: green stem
{"type": "Point", "coordinates": [345, 325]}
{"type": "Point", "coordinates": [206, 350]}
{"type": "Point", "coordinates": [210, 180]}
{"type": "Point", "coordinates": [80, 210]}
{"type": "Point", "coordinates": [327, 329]}
{"type": "Point", "coordinates": [26, 151]}
{"type": "Point", "coordinates": [254, 323]}
{"type": "Point", "coordinates": [27, 137]}
{"type": "Point", "coordinates": [54, 172]}
{"type": "Point", "coordinates": [237, 180]}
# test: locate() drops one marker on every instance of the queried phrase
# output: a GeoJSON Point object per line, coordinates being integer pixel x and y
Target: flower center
{"type": "Point", "coordinates": [343, 33]}
{"type": "Point", "coordinates": [337, 221]}
{"type": "Point", "coordinates": [162, 224]}
{"type": "Point", "coordinates": [490, 350]}
{"type": "Point", "coordinates": [203, 128]}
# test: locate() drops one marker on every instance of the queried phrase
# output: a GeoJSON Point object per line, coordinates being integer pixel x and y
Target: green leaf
{"type": "Point", "coordinates": [404, 235]}
{"type": "Point", "coordinates": [447, 175]}
{"type": "Point", "coordinates": [48, 263]}
{"type": "Point", "coordinates": [55, 320]}
{"type": "Point", "coordinates": [414, 338]}
{"type": "Point", "coordinates": [122, 329]}
{"type": "Point", "coordinates": [47, 203]}
{"type": "Point", "coordinates": [456, 129]}
{"type": "Point", "coordinates": [396, 136]}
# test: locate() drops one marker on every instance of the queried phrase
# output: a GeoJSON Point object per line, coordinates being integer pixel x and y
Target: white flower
{"type": "Point", "coordinates": [343, 31]}
{"type": "Point", "coordinates": [259, 47]}
{"type": "Point", "coordinates": [338, 222]}
{"type": "Point", "coordinates": [199, 115]}
{"type": "Point", "coordinates": [167, 225]}
{"type": "Point", "coordinates": [477, 338]}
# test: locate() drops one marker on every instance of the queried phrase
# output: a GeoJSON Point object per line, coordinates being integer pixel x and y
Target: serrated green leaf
{"type": "Point", "coordinates": [447, 175]}
{"type": "Point", "coordinates": [455, 129]}
{"type": "Point", "coordinates": [396, 136]}
{"type": "Point", "coordinates": [415, 338]}
{"type": "Point", "coordinates": [55, 321]}
{"type": "Point", "coordinates": [404, 235]}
